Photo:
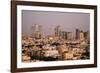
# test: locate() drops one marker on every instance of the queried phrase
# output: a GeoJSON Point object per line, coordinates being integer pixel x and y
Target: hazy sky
{"type": "Point", "coordinates": [49, 20]}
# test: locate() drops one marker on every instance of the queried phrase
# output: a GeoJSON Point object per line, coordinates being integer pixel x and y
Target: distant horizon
{"type": "Point", "coordinates": [69, 21]}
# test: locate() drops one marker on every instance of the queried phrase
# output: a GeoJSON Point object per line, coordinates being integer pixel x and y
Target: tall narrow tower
{"type": "Point", "coordinates": [58, 31]}
{"type": "Point", "coordinates": [77, 33]}
{"type": "Point", "coordinates": [37, 31]}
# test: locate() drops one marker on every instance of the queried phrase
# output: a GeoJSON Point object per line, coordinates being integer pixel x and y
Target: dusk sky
{"type": "Point", "coordinates": [69, 21]}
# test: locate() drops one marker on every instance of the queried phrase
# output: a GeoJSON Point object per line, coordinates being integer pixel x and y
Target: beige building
{"type": "Point", "coordinates": [67, 56]}
{"type": "Point", "coordinates": [70, 36]}
{"type": "Point", "coordinates": [82, 36]}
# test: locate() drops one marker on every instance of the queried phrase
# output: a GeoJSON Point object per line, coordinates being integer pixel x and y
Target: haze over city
{"type": "Point", "coordinates": [55, 36]}
{"type": "Point", "coordinates": [69, 21]}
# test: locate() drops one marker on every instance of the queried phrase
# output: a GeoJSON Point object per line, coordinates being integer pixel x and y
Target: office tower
{"type": "Point", "coordinates": [77, 33]}
{"type": "Point", "coordinates": [58, 31]}
{"type": "Point", "coordinates": [64, 34]}
{"type": "Point", "coordinates": [37, 31]}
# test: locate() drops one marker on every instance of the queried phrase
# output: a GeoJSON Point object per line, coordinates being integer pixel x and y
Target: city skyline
{"type": "Point", "coordinates": [49, 20]}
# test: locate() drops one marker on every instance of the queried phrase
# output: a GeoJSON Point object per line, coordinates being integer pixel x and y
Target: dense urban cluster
{"type": "Point", "coordinates": [61, 45]}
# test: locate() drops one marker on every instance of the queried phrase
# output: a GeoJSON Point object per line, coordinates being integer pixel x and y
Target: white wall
{"type": "Point", "coordinates": [5, 37]}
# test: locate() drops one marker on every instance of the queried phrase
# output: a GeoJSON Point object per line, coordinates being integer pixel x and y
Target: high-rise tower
{"type": "Point", "coordinates": [77, 34]}
{"type": "Point", "coordinates": [37, 31]}
{"type": "Point", "coordinates": [58, 31]}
